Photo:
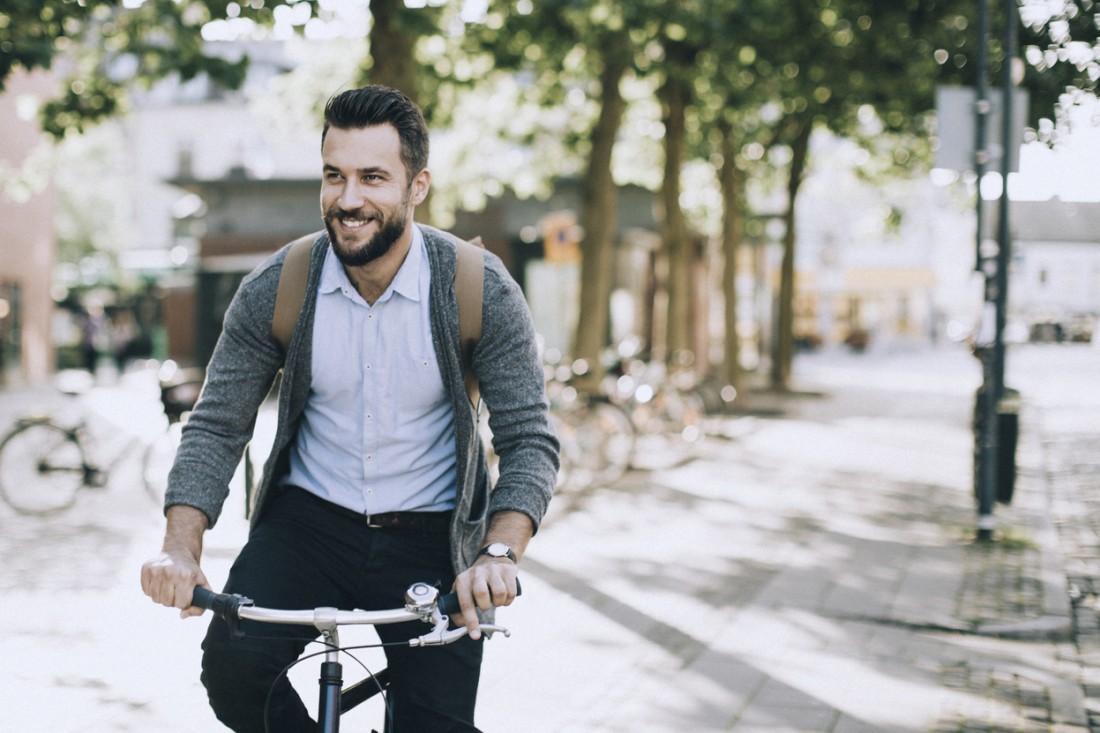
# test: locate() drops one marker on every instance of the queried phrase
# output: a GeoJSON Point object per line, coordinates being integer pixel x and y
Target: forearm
{"type": "Point", "coordinates": [513, 528]}
{"type": "Point", "coordinates": [170, 578]}
{"type": "Point", "coordinates": [185, 529]}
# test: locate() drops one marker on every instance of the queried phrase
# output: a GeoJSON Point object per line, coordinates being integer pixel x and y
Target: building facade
{"type": "Point", "coordinates": [26, 233]}
{"type": "Point", "coordinates": [1055, 288]}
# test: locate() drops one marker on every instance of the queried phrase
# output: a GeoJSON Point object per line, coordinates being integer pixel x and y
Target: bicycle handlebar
{"type": "Point", "coordinates": [423, 603]}
{"type": "Point", "coordinates": [229, 604]}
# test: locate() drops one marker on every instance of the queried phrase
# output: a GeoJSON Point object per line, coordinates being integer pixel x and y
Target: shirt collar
{"type": "Point", "coordinates": [405, 283]}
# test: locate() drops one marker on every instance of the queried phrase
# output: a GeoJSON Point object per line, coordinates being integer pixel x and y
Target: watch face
{"type": "Point", "coordinates": [497, 549]}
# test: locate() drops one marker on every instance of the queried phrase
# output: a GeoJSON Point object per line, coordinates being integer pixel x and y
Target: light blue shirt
{"type": "Point", "coordinates": [377, 434]}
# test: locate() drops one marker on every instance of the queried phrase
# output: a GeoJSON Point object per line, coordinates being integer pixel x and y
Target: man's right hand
{"type": "Point", "coordinates": [170, 577]}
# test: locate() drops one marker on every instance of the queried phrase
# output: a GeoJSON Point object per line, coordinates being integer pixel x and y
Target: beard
{"type": "Point", "coordinates": [382, 242]}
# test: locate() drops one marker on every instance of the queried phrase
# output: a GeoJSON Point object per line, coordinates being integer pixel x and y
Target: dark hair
{"type": "Point", "coordinates": [374, 105]}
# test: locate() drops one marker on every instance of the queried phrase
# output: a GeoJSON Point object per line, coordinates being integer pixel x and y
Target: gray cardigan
{"type": "Point", "coordinates": [247, 360]}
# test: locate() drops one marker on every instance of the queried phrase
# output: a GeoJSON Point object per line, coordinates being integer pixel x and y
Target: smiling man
{"type": "Point", "coordinates": [377, 477]}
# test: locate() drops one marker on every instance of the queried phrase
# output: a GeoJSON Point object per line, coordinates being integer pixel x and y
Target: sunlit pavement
{"type": "Point", "coordinates": [815, 573]}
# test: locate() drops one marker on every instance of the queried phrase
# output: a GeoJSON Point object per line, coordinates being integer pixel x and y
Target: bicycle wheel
{"type": "Point", "coordinates": [615, 437]}
{"type": "Point", "coordinates": [157, 461]}
{"type": "Point", "coordinates": [41, 468]}
{"type": "Point", "coordinates": [597, 442]}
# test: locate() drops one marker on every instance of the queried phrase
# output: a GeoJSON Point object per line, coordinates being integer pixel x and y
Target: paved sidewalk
{"type": "Point", "coordinates": [815, 573]}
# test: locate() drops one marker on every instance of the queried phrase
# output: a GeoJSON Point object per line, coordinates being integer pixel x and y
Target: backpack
{"type": "Point", "coordinates": [469, 281]}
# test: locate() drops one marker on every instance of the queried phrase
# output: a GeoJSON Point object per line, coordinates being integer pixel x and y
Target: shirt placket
{"type": "Point", "coordinates": [371, 391]}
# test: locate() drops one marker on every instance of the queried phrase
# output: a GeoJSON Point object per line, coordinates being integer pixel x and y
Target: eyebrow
{"type": "Point", "coordinates": [361, 171]}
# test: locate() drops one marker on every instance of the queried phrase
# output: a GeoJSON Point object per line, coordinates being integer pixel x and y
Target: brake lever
{"type": "Point", "coordinates": [441, 636]}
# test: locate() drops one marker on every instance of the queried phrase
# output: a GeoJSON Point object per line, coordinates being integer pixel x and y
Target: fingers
{"type": "Point", "coordinates": [170, 580]}
{"type": "Point", "coordinates": [484, 586]}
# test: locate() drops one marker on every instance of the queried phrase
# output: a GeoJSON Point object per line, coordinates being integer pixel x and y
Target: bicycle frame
{"type": "Point", "coordinates": [423, 602]}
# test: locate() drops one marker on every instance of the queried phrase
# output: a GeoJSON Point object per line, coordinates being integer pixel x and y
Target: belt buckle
{"type": "Point", "coordinates": [372, 524]}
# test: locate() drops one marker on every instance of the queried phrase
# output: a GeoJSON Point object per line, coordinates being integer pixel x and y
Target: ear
{"type": "Point", "coordinates": [420, 185]}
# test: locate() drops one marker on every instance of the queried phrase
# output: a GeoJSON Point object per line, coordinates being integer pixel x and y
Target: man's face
{"type": "Point", "coordinates": [366, 197]}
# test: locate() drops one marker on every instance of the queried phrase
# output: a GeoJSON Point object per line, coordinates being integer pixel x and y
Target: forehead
{"type": "Point", "coordinates": [363, 147]}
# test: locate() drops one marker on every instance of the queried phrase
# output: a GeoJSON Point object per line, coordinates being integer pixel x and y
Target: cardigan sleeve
{"type": "Point", "coordinates": [508, 366]}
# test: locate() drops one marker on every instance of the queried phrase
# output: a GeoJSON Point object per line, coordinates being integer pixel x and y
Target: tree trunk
{"type": "Point", "coordinates": [392, 46]}
{"type": "Point", "coordinates": [731, 180]}
{"type": "Point", "coordinates": [678, 330]}
{"type": "Point", "coordinates": [783, 346]}
{"type": "Point", "coordinates": [599, 216]}
{"type": "Point", "coordinates": [392, 63]}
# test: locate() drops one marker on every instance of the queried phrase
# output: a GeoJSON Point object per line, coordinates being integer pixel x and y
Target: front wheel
{"type": "Point", "coordinates": [41, 468]}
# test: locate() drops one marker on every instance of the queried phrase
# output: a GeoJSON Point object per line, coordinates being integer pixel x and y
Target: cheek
{"type": "Point", "coordinates": [329, 198]}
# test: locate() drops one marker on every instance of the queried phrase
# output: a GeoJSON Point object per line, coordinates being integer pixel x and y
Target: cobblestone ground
{"type": "Point", "coordinates": [1075, 483]}
{"type": "Point", "coordinates": [1065, 412]}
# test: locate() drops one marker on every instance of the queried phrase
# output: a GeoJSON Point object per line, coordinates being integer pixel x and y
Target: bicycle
{"type": "Point", "coordinates": [597, 436]}
{"type": "Point", "coordinates": [45, 461]}
{"type": "Point", "coordinates": [423, 602]}
{"type": "Point", "coordinates": [666, 411]}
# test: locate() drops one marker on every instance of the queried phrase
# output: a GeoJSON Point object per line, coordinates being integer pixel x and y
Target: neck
{"type": "Point", "coordinates": [372, 279]}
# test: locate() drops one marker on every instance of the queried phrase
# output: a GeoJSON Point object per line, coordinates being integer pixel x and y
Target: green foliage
{"type": "Point", "coordinates": [112, 45]}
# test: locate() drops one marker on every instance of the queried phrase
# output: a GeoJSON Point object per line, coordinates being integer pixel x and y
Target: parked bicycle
{"type": "Point", "coordinates": [597, 436]}
{"type": "Point", "coordinates": [179, 391]}
{"type": "Point", "coordinates": [666, 411]}
{"type": "Point", "coordinates": [47, 459]}
{"type": "Point", "coordinates": [423, 602]}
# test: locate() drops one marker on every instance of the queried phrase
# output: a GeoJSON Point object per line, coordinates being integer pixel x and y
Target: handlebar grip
{"type": "Point", "coordinates": [203, 598]}
{"type": "Point", "coordinates": [225, 605]}
{"type": "Point", "coordinates": [448, 603]}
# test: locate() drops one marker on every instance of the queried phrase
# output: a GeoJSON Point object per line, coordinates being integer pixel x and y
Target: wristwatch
{"type": "Point", "coordinates": [498, 549]}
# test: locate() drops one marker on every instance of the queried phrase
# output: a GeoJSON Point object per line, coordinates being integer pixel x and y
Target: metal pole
{"type": "Point", "coordinates": [986, 476]}
{"type": "Point", "coordinates": [997, 292]}
{"type": "Point", "coordinates": [1004, 231]}
{"type": "Point", "coordinates": [982, 108]}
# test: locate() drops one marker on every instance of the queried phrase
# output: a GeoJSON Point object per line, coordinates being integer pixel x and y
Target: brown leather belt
{"type": "Point", "coordinates": [435, 522]}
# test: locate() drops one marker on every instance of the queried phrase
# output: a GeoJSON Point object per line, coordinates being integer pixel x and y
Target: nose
{"type": "Point", "coordinates": [351, 196]}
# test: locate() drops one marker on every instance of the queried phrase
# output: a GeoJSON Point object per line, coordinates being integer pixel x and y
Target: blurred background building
{"type": "Point", "coordinates": [26, 234]}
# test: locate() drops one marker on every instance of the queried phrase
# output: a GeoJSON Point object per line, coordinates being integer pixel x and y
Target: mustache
{"type": "Point", "coordinates": [335, 212]}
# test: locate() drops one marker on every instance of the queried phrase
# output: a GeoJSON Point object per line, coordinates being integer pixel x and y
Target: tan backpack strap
{"type": "Point", "coordinates": [469, 289]}
{"type": "Point", "coordinates": [291, 294]}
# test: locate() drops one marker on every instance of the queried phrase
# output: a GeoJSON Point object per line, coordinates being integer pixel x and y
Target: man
{"type": "Point", "coordinates": [377, 477]}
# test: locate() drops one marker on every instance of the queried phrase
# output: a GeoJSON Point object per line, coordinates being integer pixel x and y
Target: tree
{"type": "Point", "coordinates": [563, 46]}
{"type": "Point", "coordinates": [838, 59]}
{"type": "Point", "coordinates": [681, 44]}
{"type": "Point", "coordinates": [108, 47]}
{"type": "Point", "coordinates": [832, 61]}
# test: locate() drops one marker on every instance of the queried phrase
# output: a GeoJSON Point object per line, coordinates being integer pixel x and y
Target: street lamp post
{"type": "Point", "coordinates": [996, 273]}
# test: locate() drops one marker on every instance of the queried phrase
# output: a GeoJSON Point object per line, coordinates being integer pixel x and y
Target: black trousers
{"type": "Point", "coordinates": [304, 555]}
